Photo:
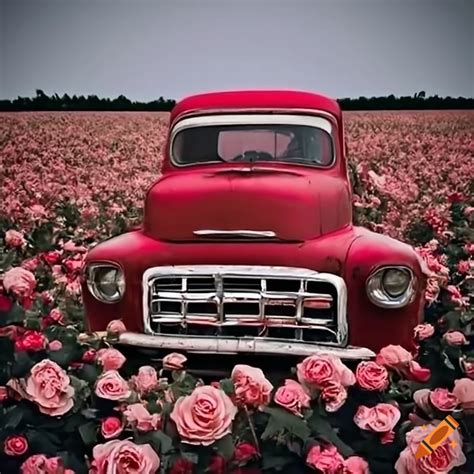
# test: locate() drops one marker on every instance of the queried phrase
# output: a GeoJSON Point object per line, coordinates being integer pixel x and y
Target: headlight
{"type": "Point", "coordinates": [391, 287]}
{"type": "Point", "coordinates": [106, 282]}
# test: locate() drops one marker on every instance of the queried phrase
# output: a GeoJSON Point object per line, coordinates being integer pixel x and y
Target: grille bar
{"type": "Point", "coordinates": [301, 301]}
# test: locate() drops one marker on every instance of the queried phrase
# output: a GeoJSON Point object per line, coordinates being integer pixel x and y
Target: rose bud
{"type": "Point", "coordinates": [89, 356]}
{"type": "Point", "coordinates": [15, 445]}
{"type": "Point", "coordinates": [55, 345]}
{"type": "Point", "coordinates": [244, 452]}
{"type": "Point", "coordinates": [116, 326]}
{"type": "Point", "coordinates": [3, 394]}
{"type": "Point", "coordinates": [455, 338]}
{"type": "Point", "coordinates": [174, 361]}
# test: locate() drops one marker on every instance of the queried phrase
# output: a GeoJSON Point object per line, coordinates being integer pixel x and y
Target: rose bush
{"type": "Point", "coordinates": [71, 402]}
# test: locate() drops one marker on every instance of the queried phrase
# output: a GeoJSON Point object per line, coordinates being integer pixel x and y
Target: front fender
{"type": "Point", "coordinates": [370, 325]}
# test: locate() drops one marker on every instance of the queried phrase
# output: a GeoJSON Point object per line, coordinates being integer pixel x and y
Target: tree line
{"type": "Point", "coordinates": [43, 102]}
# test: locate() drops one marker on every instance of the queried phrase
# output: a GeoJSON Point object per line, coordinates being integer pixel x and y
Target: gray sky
{"type": "Point", "coordinates": [144, 48]}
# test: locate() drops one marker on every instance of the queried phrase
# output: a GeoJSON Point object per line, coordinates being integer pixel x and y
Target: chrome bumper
{"type": "Point", "coordinates": [233, 345]}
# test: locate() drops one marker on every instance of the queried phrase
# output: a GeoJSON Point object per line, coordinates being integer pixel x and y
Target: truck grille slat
{"type": "Point", "coordinates": [273, 302]}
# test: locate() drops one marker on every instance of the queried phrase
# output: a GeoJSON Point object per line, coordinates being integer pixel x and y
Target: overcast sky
{"type": "Point", "coordinates": [147, 48]}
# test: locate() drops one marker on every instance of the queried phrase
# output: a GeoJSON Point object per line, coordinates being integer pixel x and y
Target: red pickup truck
{"type": "Point", "coordinates": [248, 245]}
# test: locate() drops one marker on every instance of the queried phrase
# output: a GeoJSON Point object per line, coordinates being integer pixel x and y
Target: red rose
{"type": "Point", "coordinates": [111, 427]}
{"type": "Point", "coordinates": [31, 341]}
{"type": "Point", "coordinates": [89, 356]}
{"type": "Point", "coordinates": [244, 452]}
{"type": "Point", "coordinates": [15, 445]}
{"type": "Point", "coordinates": [5, 304]}
{"type": "Point", "coordinates": [52, 258]}
{"type": "Point", "coordinates": [217, 465]}
{"type": "Point", "coordinates": [182, 466]}
{"type": "Point", "coordinates": [3, 394]}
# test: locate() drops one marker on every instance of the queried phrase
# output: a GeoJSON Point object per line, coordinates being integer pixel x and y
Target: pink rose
{"type": "Point", "coordinates": [292, 396]}
{"type": "Point", "coordinates": [48, 386]}
{"type": "Point", "coordinates": [40, 464]}
{"type": "Point", "coordinates": [55, 345]}
{"type": "Point", "coordinates": [19, 281]}
{"type": "Point", "coordinates": [422, 400]}
{"type": "Point", "coordinates": [381, 418]}
{"type": "Point", "coordinates": [317, 371]}
{"type": "Point", "coordinates": [111, 427]}
{"type": "Point", "coordinates": [423, 331]}
{"type": "Point", "coordinates": [111, 386]}
{"type": "Point", "coordinates": [174, 361]}
{"type": "Point", "coordinates": [204, 416]}
{"type": "Point", "coordinates": [464, 391]}
{"type": "Point", "coordinates": [355, 465]}
{"type": "Point", "coordinates": [251, 386]}
{"type": "Point", "coordinates": [146, 380]}
{"type": "Point", "coordinates": [334, 395]}
{"type": "Point", "coordinates": [325, 460]}
{"type": "Point", "coordinates": [394, 357]}
{"type": "Point", "coordinates": [116, 326]}
{"type": "Point", "coordinates": [418, 373]}
{"type": "Point", "coordinates": [56, 316]}
{"type": "Point", "coordinates": [371, 376]}
{"type": "Point", "coordinates": [52, 257]}
{"type": "Point", "coordinates": [119, 456]}
{"type": "Point", "coordinates": [140, 418]}
{"type": "Point", "coordinates": [467, 367]}
{"type": "Point", "coordinates": [30, 264]}
{"type": "Point", "coordinates": [14, 239]}
{"type": "Point", "coordinates": [443, 399]}
{"type": "Point", "coordinates": [455, 338]}
{"type": "Point", "coordinates": [15, 445]}
{"type": "Point", "coordinates": [89, 356]}
{"type": "Point", "coordinates": [110, 359]}
{"type": "Point", "coordinates": [443, 460]}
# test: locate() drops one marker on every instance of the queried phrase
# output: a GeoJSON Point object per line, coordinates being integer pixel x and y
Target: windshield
{"type": "Point", "coordinates": [236, 142]}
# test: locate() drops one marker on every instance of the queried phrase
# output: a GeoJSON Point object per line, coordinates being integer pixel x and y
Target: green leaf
{"type": "Point", "coordinates": [7, 260]}
{"type": "Point", "coordinates": [159, 440]}
{"type": "Point", "coordinates": [13, 417]}
{"type": "Point", "coordinates": [88, 433]}
{"type": "Point", "coordinates": [225, 447]}
{"type": "Point", "coordinates": [227, 386]}
{"type": "Point", "coordinates": [16, 315]}
{"type": "Point", "coordinates": [320, 427]}
{"type": "Point", "coordinates": [22, 364]}
{"type": "Point", "coordinates": [283, 420]}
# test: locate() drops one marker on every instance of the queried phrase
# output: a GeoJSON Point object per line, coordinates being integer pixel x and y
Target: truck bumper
{"type": "Point", "coordinates": [234, 345]}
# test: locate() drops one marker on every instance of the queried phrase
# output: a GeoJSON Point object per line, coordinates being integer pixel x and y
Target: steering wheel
{"type": "Point", "coordinates": [253, 155]}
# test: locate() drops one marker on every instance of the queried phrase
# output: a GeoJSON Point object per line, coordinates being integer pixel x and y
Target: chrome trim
{"type": "Point", "coordinates": [244, 118]}
{"type": "Point", "coordinates": [234, 233]}
{"type": "Point", "coordinates": [264, 346]}
{"type": "Point", "coordinates": [379, 297]}
{"type": "Point", "coordinates": [218, 271]}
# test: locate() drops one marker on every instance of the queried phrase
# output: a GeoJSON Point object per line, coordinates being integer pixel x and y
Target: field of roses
{"type": "Point", "coordinates": [72, 403]}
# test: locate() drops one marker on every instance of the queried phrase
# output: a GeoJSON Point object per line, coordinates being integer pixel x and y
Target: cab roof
{"type": "Point", "coordinates": [256, 99]}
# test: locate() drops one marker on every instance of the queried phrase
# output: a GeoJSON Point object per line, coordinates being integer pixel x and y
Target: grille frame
{"type": "Point", "coordinates": [221, 272]}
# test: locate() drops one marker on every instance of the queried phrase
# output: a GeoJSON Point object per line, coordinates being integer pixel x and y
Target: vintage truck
{"type": "Point", "coordinates": [248, 245]}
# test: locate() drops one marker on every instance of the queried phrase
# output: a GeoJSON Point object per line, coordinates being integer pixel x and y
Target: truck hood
{"type": "Point", "coordinates": [247, 203]}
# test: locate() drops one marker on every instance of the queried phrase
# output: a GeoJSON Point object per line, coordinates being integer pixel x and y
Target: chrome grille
{"type": "Point", "coordinates": [270, 302]}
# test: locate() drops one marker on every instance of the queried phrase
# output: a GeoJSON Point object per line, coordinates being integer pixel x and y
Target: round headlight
{"type": "Point", "coordinates": [106, 282]}
{"type": "Point", "coordinates": [395, 281]}
{"type": "Point", "coordinates": [391, 287]}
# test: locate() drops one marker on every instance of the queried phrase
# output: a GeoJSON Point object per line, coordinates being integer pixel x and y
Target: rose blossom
{"type": "Point", "coordinates": [467, 367]}
{"type": "Point", "coordinates": [182, 466]}
{"type": "Point", "coordinates": [334, 395]}
{"type": "Point", "coordinates": [455, 338]}
{"type": "Point", "coordinates": [444, 459]}
{"type": "Point", "coordinates": [423, 331]}
{"type": "Point", "coordinates": [14, 239]}
{"type": "Point", "coordinates": [204, 416]}
{"type": "Point", "coordinates": [371, 376]}
{"type": "Point", "coordinates": [19, 281]}
{"type": "Point", "coordinates": [48, 386]}
{"type": "Point", "coordinates": [40, 464]}
{"type": "Point", "coordinates": [31, 341]}
{"type": "Point", "coordinates": [464, 391]}
{"type": "Point", "coordinates": [56, 316]}
{"type": "Point", "coordinates": [394, 357]}
{"type": "Point", "coordinates": [111, 386]}
{"type": "Point", "coordinates": [89, 356]}
{"type": "Point", "coordinates": [244, 452]}
{"type": "Point", "coordinates": [116, 326]}
{"type": "Point", "coordinates": [355, 465]}
{"type": "Point", "coordinates": [174, 361]}
{"type": "Point", "coordinates": [55, 345]}
{"type": "Point", "coordinates": [139, 417]}
{"type": "Point", "coordinates": [443, 399]}
{"type": "Point", "coordinates": [124, 456]}
{"type": "Point", "coordinates": [3, 393]}
{"type": "Point", "coordinates": [6, 304]}
{"type": "Point", "coordinates": [146, 380]}
{"type": "Point", "coordinates": [15, 445]}
{"type": "Point", "coordinates": [110, 359]}
{"type": "Point", "coordinates": [251, 386]}
{"type": "Point", "coordinates": [325, 460]}
{"type": "Point", "coordinates": [111, 427]}
{"type": "Point", "coordinates": [292, 396]}
{"type": "Point", "coordinates": [317, 371]}
{"type": "Point", "coordinates": [52, 257]}
{"type": "Point", "coordinates": [381, 418]}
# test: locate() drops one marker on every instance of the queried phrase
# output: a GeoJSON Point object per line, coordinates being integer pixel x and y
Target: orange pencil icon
{"type": "Point", "coordinates": [437, 437]}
